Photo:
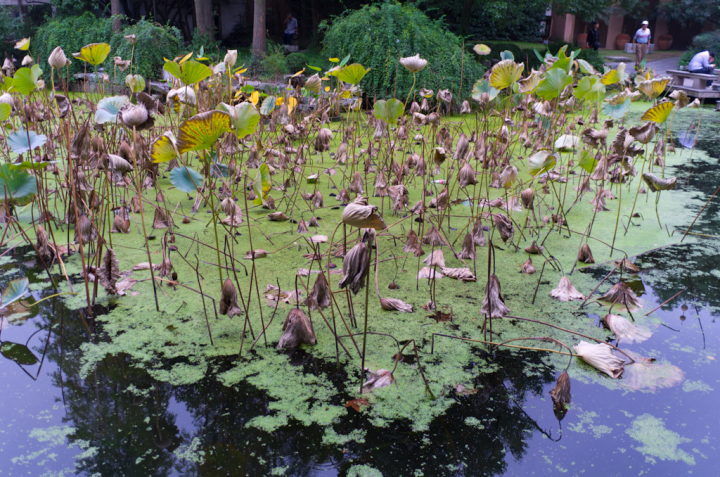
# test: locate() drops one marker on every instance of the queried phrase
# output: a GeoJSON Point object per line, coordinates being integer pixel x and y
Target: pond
{"type": "Point", "coordinates": [61, 416]}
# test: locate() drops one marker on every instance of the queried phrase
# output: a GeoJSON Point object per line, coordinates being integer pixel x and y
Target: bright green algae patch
{"type": "Point", "coordinates": [657, 442]}
{"type": "Point", "coordinates": [174, 345]}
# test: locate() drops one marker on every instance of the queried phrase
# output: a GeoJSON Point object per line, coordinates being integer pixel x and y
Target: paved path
{"type": "Point", "coordinates": [662, 66]}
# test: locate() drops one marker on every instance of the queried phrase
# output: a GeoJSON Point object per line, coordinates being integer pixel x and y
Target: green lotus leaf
{"type": "Point", "coordinates": [190, 72]}
{"type": "Point", "coordinates": [25, 80]}
{"type": "Point", "coordinates": [30, 165]}
{"type": "Point", "coordinates": [352, 74]}
{"type": "Point", "coordinates": [108, 109]}
{"type": "Point", "coordinates": [186, 179]}
{"type": "Point", "coordinates": [552, 85]}
{"type": "Point", "coordinates": [16, 184]}
{"type": "Point", "coordinates": [589, 88]}
{"type": "Point", "coordinates": [389, 110]}
{"type": "Point", "coordinates": [94, 53]}
{"type": "Point", "coordinates": [617, 111]}
{"type": "Point", "coordinates": [164, 148]}
{"type": "Point", "coordinates": [202, 130]}
{"type": "Point", "coordinates": [22, 141]}
{"type": "Point", "coordinates": [482, 86]}
{"type": "Point", "coordinates": [586, 67]}
{"type": "Point", "coordinates": [541, 162]}
{"type": "Point", "coordinates": [481, 49]}
{"type": "Point", "coordinates": [5, 110]}
{"type": "Point", "coordinates": [14, 290]}
{"type": "Point", "coordinates": [507, 55]}
{"type": "Point", "coordinates": [244, 118]}
{"type": "Point", "coordinates": [136, 83]}
{"type": "Point", "coordinates": [505, 74]}
{"type": "Point", "coordinates": [587, 161]}
{"type": "Point", "coordinates": [268, 105]}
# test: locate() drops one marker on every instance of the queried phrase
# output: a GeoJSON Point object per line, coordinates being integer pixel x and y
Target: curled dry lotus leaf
{"type": "Point", "coordinates": [466, 176]}
{"type": "Point", "coordinates": [534, 248]}
{"type": "Point", "coordinates": [427, 272]}
{"type": "Point", "coordinates": [468, 248]}
{"type": "Point", "coordinates": [528, 267]}
{"type": "Point", "coordinates": [297, 330]}
{"type": "Point", "coordinates": [414, 64]}
{"type": "Point", "coordinates": [462, 274]}
{"type": "Point", "coordinates": [600, 357]}
{"type": "Point", "coordinates": [433, 238]}
{"type": "Point", "coordinates": [655, 183]}
{"type": "Point", "coordinates": [356, 265]}
{"type": "Point", "coordinates": [585, 254]}
{"type": "Point", "coordinates": [228, 300]}
{"type": "Point", "coordinates": [374, 381]}
{"type": "Point", "coordinates": [395, 304]}
{"type": "Point", "coordinates": [622, 296]}
{"type": "Point", "coordinates": [504, 226]}
{"type": "Point", "coordinates": [565, 291]}
{"type": "Point", "coordinates": [435, 259]}
{"type": "Point", "coordinates": [109, 271]}
{"type": "Point", "coordinates": [320, 294]}
{"type": "Point", "coordinates": [363, 215]}
{"type": "Point", "coordinates": [625, 330]}
{"type": "Point", "coordinates": [278, 217]}
{"type": "Point", "coordinates": [412, 244]}
{"type": "Point", "coordinates": [645, 133]}
{"type": "Point", "coordinates": [493, 304]}
{"type": "Point", "coordinates": [560, 395]}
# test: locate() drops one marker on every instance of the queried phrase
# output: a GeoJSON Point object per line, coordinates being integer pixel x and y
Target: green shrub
{"type": "Point", "coordinates": [154, 42]}
{"type": "Point", "coordinates": [296, 61]}
{"type": "Point", "coordinates": [70, 33]}
{"type": "Point", "coordinates": [704, 41]}
{"type": "Point", "coordinates": [211, 48]}
{"type": "Point", "coordinates": [593, 57]}
{"type": "Point", "coordinates": [377, 35]}
{"type": "Point", "coordinates": [274, 63]}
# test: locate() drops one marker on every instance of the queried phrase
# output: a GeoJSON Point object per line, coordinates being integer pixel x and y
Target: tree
{"type": "Point", "coordinates": [686, 12]}
{"type": "Point", "coordinates": [259, 43]}
{"type": "Point", "coordinates": [115, 11]}
{"type": "Point", "coordinates": [204, 18]}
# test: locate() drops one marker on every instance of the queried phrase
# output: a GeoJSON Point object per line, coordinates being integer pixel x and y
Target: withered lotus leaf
{"type": "Point", "coordinates": [462, 274]}
{"type": "Point", "coordinates": [356, 265]}
{"type": "Point", "coordinates": [363, 215]}
{"type": "Point", "coordinates": [585, 255]}
{"type": "Point", "coordinates": [494, 305]}
{"type": "Point", "coordinates": [320, 294]}
{"type": "Point", "coordinates": [228, 300]}
{"type": "Point", "coordinates": [623, 296]}
{"type": "Point", "coordinates": [375, 381]}
{"type": "Point", "coordinates": [560, 395]}
{"type": "Point", "coordinates": [528, 267]}
{"type": "Point", "coordinates": [600, 357]}
{"type": "Point", "coordinates": [395, 304]}
{"type": "Point", "coordinates": [436, 258]}
{"type": "Point", "coordinates": [565, 291]}
{"type": "Point", "coordinates": [625, 330]}
{"type": "Point", "coordinates": [297, 330]}
{"type": "Point", "coordinates": [655, 183]}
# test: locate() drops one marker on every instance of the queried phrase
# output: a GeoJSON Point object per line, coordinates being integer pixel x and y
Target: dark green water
{"type": "Point", "coordinates": [120, 421]}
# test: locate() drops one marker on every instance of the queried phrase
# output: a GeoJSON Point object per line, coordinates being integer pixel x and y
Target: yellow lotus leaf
{"type": "Point", "coordinates": [505, 74]}
{"type": "Point", "coordinates": [23, 44]}
{"type": "Point", "coordinates": [528, 85]}
{"type": "Point", "coordinates": [279, 101]}
{"type": "Point", "coordinates": [617, 75]}
{"type": "Point", "coordinates": [334, 60]}
{"type": "Point", "coordinates": [202, 130]}
{"type": "Point", "coordinates": [654, 87]}
{"type": "Point", "coordinates": [185, 58]}
{"type": "Point", "coordinates": [94, 53]}
{"type": "Point", "coordinates": [164, 148]}
{"type": "Point", "coordinates": [658, 113]}
{"type": "Point", "coordinates": [255, 97]}
{"type": "Point", "coordinates": [292, 102]}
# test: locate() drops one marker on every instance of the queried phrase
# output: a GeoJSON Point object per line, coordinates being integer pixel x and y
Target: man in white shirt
{"type": "Point", "coordinates": [703, 62]}
{"type": "Point", "coordinates": [642, 42]}
{"type": "Point", "coordinates": [291, 28]}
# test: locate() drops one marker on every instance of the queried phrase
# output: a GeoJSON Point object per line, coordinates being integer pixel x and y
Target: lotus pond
{"type": "Point", "coordinates": [194, 284]}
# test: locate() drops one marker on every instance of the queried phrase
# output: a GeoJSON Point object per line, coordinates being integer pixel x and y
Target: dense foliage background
{"type": "Point", "coordinates": [377, 35]}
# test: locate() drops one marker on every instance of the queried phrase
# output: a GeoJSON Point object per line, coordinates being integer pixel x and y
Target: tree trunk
{"type": "Point", "coordinates": [115, 11]}
{"type": "Point", "coordinates": [259, 43]}
{"type": "Point", "coordinates": [467, 15]}
{"type": "Point", "coordinates": [204, 18]}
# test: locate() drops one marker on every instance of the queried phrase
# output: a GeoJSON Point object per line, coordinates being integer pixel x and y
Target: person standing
{"type": "Point", "coordinates": [593, 36]}
{"type": "Point", "coordinates": [291, 28]}
{"type": "Point", "coordinates": [642, 43]}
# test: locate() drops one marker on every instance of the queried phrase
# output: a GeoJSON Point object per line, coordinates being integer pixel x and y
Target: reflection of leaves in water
{"type": "Point", "coordinates": [17, 352]}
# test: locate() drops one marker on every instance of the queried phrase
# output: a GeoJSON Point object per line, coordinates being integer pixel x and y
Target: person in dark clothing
{"type": "Point", "coordinates": [593, 36]}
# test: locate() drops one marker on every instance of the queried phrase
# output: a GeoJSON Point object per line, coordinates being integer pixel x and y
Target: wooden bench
{"type": "Point", "coordinates": [694, 84]}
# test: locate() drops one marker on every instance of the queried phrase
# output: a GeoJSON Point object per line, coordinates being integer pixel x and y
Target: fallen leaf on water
{"type": "Point", "coordinates": [357, 403]}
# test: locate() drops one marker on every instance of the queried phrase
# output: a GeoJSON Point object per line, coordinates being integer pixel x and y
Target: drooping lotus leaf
{"type": "Point", "coordinates": [658, 113]}
{"type": "Point", "coordinates": [353, 73]}
{"type": "Point", "coordinates": [528, 85]}
{"type": "Point", "coordinates": [164, 148]}
{"type": "Point", "coordinates": [389, 110]}
{"type": "Point", "coordinates": [23, 45]}
{"type": "Point", "coordinates": [262, 184]}
{"type": "Point", "coordinates": [94, 53]}
{"type": "Point", "coordinates": [268, 105]}
{"type": "Point", "coordinates": [16, 183]}
{"type": "Point", "coordinates": [567, 142]}
{"type": "Point", "coordinates": [17, 352]}
{"type": "Point", "coordinates": [617, 75]}
{"type": "Point", "coordinates": [5, 110]}
{"type": "Point", "coordinates": [25, 79]}
{"type": "Point", "coordinates": [589, 88]}
{"type": "Point", "coordinates": [507, 55]}
{"type": "Point", "coordinates": [656, 184]}
{"type": "Point", "coordinates": [645, 133]}
{"type": "Point", "coordinates": [481, 49]}
{"type": "Point", "coordinates": [22, 141]}
{"type": "Point", "coordinates": [202, 130]}
{"type": "Point", "coordinates": [586, 67]}
{"type": "Point", "coordinates": [587, 161]}
{"type": "Point", "coordinates": [483, 86]}
{"type": "Point", "coordinates": [553, 84]}
{"type": "Point", "coordinates": [505, 74]}
{"type": "Point", "coordinates": [186, 179]}
{"type": "Point", "coordinates": [189, 72]}
{"type": "Point", "coordinates": [625, 330]}
{"type": "Point", "coordinates": [14, 290]}
{"type": "Point", "coordinates": [541, 162]}
{"type": "Point", "coordinates": [108, 109]}
{"type": "Point", "coordinates": [136, 83]}
{"type": "Point", "coordinates": [654, 87]}
{"type": "Point", "coordinates": [244, 118]}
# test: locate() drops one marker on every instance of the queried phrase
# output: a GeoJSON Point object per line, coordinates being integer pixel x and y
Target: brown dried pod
{"type": "Point", "coordinates": [585, 255]}
{"type": "Point", "coordinates": [433, 238]}
{"type": "Point", "coordinates": [478, 233]}
{"type": "Point", "coordinates": [527, 197]}
{"type": "Point", "coordinates": [361, 214]}
{"type": "Point", "coordinates": [109, 271]}
{"type": "Point", "coordinates": [468, 248]}
{"type": "Point", "coordinates": [297, 330]}
{"type": "Point", "coordinates": [565, 291]}
{"type": "Point", "coordinates": [302, 227]}
{"type": "Point", "coordinates": [185, 219]}
{"type": "Point", "coordinates": [322, 140]}
{"type": "Point", "coordinates": [561, 396]}
{"type": "Point", "coordinates": [528, 267]}
{"type": "Point", "coordinates": [228, 300]}
{"type": "Point", "coordinates": [412, 245]}
{"type": "Point", "coordinates": [356, 184]}
{"type": "Point", "coordinates": [356, 265]}
{"type": "Point", "coordinates": [534, 248]}
{"type": "Point", "coordinates": [493, 304]}
{"type": "Point", "coordinates": [504, 226]}
{"type": "Point", "coordinates": [278, 217]}
{"type": "Point", "coordinates": [313, 222]}
{"type": "Point", "coordinates": [395, 304]}
{"type": "Point", "coordinates": [320, 294]}
{"type": "Point", "coordinates": [86, 230]}
{"type": "Point", "coordinates": [120, 225]}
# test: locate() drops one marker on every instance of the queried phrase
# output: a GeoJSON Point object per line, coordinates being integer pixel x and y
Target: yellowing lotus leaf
{"type": "Point", "coordinates": [202, 130]}
{"type": "Point", "coordinates": [23, 44]}
{"type": "Point", "coordinates": [164, 149]}
{"type": "Point", "coordinates": [94, 53]}
{"type": "Point", "coordinates": [654, 87]}
{"type": "Point", "coordinates": [352, 74]}
{"type": "Point", "coordinates": [658, 113]}
{"type": "Point", "coordinates": [528, 85]}
{"type": "Point", "coordinates": [481, 49]}
{"type": "Point", "coordinates": [505, 74]}
{"type": "Point", "coordinates": [617, 75]}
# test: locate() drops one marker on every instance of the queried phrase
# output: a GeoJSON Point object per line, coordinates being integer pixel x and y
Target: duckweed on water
{"type": "Point", "coordinates": [657, 442]}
